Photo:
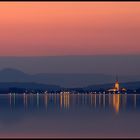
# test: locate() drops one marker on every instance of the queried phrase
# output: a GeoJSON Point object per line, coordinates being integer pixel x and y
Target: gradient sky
{"type": "Point", "coordinates": [69, 28]}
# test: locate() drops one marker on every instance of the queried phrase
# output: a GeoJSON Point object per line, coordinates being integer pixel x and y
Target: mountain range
{"type": "Point", "coordinates": [15, 76]}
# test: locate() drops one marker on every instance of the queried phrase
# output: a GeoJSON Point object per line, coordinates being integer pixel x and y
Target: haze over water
{"type": "Point", "coordinates": [63, 44]}
{"type": "Point", "coordinates": [69, 115]}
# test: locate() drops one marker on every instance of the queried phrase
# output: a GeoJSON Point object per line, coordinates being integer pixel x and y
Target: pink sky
{"type": "Point", "coordinates": [69, 28]}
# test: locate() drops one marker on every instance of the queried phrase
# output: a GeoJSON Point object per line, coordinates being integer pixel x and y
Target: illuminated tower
{"type": "Point", "coordinates": [117, 84]}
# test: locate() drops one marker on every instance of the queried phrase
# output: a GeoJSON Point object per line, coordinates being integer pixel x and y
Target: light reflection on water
{"type": "Point", "coordinates": [69, 115]}
{"type": "Point", "coordinates": [68, 101]}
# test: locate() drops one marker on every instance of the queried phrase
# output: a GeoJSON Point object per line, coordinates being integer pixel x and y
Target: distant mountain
{"type": "Point", "coordinates": [73, 80]}
{"type": "Point", "coordinates": [13, 75]}
{"type": "Point", "coordinates": [11, 71]}
{"type": "Point", "coordinates": [64, 80]}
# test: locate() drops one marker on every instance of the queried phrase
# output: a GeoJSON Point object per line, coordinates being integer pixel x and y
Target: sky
{"type": "Point", "coordinates": [69, 28]}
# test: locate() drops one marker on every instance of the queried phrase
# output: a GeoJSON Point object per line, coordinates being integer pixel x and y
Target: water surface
{"type": "Point", "coordinates": [70, 115]}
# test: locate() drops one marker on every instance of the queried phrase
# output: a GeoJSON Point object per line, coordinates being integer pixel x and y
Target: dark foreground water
{"type": "Point", "coordinates": [70, 116]}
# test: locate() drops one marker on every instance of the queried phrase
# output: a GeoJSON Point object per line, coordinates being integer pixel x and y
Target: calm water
{"type": "Point", "coordinates": [70, 115]}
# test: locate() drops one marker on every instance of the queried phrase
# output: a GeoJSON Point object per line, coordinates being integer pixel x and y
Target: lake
{"type": "Point", "coordinates": [69, 116]}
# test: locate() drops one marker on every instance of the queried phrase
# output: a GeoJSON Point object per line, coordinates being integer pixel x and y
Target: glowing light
{"type": "Point", "coordinates": [104, 100]}
{"type": "Point", "coordinates": [61, 100]}
{"type": "Point", "coordinates": [37, 100]}
{"type": "Point", "coordinates": [14, 99]}
{"type": "Point", "coordinates": [46, 99]}
{"type": "Point", "coordinates": [91, 99]}
{"type": "Point", "coordinates": [135, 100]}
{"type": "Point", "coordinates": [116, 102]}
{"type": "Point", "coordinates": [99, 99]}
{"type": "Point", "coordinates": [117, 87]}
{"type": "Point", "coordinates": [24, 99]}
{"type": "Point", "coordinates": [95, 100]}
{"type": "Point", "coordinates": [10, 99]}
{"type": "Point", "coordinates": [109, 99]}
{"type": "Point", "coordinates": [66, 100]}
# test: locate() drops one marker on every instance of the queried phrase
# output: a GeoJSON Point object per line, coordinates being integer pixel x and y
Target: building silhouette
{"type": "Point", "coordinates": [116, 88]}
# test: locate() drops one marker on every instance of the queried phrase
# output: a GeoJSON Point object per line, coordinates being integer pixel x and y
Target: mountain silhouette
{"type": "Point", "coordinates": [64, 80]}
{"type": "Point", "coordinates": [13, 75]}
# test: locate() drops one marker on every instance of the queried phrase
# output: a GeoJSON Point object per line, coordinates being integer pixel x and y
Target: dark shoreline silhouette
{"type": "Point", "coordinates": [12, 80]}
